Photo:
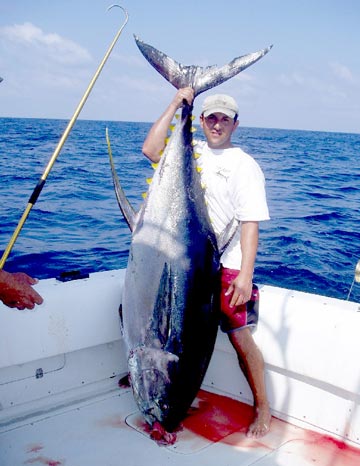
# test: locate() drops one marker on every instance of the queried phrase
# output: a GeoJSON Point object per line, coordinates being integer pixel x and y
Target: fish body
{"type": "Point", "coordinates": [169, 309]}
{"type": "Point", "coordinates": [170, 295]}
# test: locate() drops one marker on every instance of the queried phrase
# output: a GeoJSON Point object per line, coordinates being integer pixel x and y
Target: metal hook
{"type": "Point", "coordinates": [123, 9]}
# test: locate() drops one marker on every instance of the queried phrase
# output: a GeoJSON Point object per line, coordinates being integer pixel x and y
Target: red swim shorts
{"type": "Point", "coordinates": [236, 317]}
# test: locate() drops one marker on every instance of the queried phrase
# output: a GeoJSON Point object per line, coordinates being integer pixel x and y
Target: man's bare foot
{"type": "Point", "coordinates": [261, 423]}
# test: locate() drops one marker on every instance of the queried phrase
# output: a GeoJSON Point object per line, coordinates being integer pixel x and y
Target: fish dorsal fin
{"type": "Point", "coordinates": [197, 77]}
{"type": "Point", "coordinates": [124, 204]}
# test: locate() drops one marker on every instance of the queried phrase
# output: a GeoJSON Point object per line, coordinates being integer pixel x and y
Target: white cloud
{"type": "Point", "coordinates": [52, 45]}
{"type": "Point", "coordinates": [294, 78]}
{"type": "Point", "coordinates": [342, 72]}
{"type": "Point", "coordinates": [44, 74]}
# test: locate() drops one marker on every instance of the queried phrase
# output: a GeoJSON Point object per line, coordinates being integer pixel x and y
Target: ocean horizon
{"type": "Point", "coordinates": [311, 243]}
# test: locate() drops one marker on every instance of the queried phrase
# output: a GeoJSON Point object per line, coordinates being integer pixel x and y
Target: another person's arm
{"type": "Point", "coordinates": [16, 290]}
{"type": "Point", "coordinates": [155, 140]}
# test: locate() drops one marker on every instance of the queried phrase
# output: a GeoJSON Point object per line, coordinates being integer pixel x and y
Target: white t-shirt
{"type": "Point", "coordinates": [234, 188]}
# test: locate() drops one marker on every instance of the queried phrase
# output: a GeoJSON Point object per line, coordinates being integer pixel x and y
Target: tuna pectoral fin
{"type": "Point", "coordinates": [124, 204]}
{"type": "Point", "coordinates": [163, 304]}
{"type": "Point", "coordinates": [224, 238]}
{"type": "Point", "coordinates": [200, 79]}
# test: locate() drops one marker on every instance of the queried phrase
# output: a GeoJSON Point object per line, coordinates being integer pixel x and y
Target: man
{"type": "Point", "coordinates": [16, 290]}
{"type": "Point", "coordinates": [234, 188]}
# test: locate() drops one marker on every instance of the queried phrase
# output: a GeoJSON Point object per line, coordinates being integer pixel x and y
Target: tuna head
{"type": "Point", "coordinates": [151, 375]}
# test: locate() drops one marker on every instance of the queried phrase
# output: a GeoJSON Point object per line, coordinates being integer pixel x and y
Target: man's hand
{"type": "Point", "coordinates": [241, 290]}
{"type": "Point", "coordinates": [16, 290]}
{"type": "Point", "coordinates": [185, 93]}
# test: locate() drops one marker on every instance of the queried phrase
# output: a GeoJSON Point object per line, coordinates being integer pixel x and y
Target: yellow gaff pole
{"type": "Point", "coordinates": [38, 188]}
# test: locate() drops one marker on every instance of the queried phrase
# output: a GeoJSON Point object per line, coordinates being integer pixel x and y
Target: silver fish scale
{"type": "Point", "coordinates": [171, 218]}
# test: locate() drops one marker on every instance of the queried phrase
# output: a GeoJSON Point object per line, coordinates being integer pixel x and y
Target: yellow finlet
{"type": "Point", "coordinates": [177, 116]}
{"type": "Point", "coordinates": [193, 129]}
{"type": "Point", "coordinates": [167, 140]}
{"type": "Point", "coordinates": [149, 180]}
{"type": "Point", "coordinates": [199, 169]}
{"type": "Point", "coordinates": [172, 127]}
{"type": "Point", "coordinates": [196, 155]}
{"type": "Point", "coordinates": [144, 195]}
{"type": "Point", "coordinates": [154, 165]}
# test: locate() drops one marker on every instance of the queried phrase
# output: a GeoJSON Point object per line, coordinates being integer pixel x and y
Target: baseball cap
{"type": "Point", "coordinates": [220, 103]}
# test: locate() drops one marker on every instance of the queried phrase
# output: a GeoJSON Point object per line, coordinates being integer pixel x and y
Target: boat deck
{"type": "Point", "coordinates": [61, 405]}
{"type": "Point", "coordinates": [106, 429]}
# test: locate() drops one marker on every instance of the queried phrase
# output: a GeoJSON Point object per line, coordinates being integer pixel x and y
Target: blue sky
{"type": "Point", "coordinates": [49, 51]}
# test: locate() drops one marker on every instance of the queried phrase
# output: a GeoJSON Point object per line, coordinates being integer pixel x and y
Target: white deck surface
{"type": "Point", "coordinates": [106, 430]}
{"type": "Point", "coordinates": [60, 404]}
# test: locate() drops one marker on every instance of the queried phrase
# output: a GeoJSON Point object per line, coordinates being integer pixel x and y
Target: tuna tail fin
{"type": "Point", "coordinates": [124, 204]}
{"type": "Point", "coordinates": [199, 78]}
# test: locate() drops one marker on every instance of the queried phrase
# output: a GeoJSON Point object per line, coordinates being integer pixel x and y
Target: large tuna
{"type": "Point", "coordinates": [169, 302]}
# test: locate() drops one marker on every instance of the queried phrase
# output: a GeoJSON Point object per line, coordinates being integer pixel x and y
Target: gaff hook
{"type": "Point", "coordinates": [38, 188]}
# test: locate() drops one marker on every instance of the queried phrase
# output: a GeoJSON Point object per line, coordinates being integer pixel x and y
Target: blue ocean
{"type": "Point", "coordinates": [311, 243]}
